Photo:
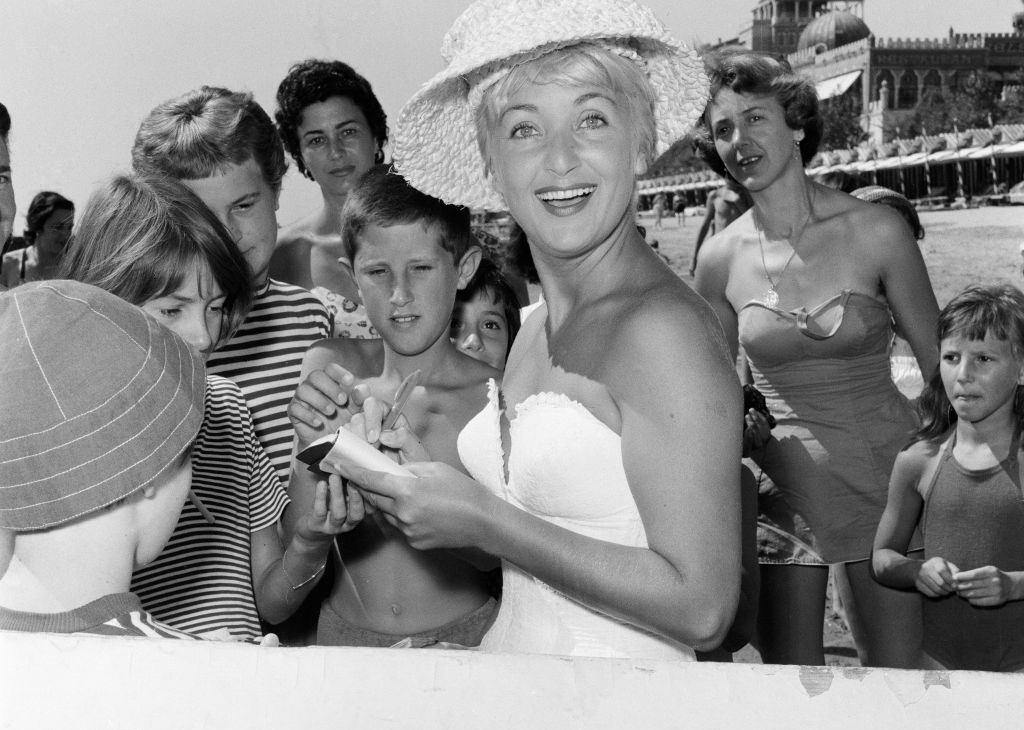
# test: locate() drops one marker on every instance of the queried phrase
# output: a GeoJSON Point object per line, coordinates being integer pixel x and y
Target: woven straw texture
{"type": "Point", "coordinates": [435, 145]}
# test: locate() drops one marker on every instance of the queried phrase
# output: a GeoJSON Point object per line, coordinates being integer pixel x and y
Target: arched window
{"type": "Point", "coordinates": [932, 87]}
{"type": "Point", "coordinates": [908, 91]}
{"type": "Point", "coordinates": [887, 77]}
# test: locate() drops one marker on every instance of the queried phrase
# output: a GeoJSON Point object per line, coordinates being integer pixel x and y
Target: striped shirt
{"type": "Point", "coordinates": [264, 357]}
{"type": "Point", "coordinates": [117, 614]}
{"type": "Point", "coordinates": [202, 580]}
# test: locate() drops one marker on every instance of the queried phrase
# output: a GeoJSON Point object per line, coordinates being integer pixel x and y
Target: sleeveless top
{"type": "Point", "coordinates": [841, 421]}
{"type": "Point", "coordinates": [565, 466]}
{"type": "Point", "coordinates": [974, 518]}
{"type": "Point", "coordinates": [350, 319]}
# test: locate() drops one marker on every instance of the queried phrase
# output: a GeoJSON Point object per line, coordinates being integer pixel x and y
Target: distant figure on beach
{"type": "Point", "coordinates": [48, 228]}
{"type": "Point", "coordinates": [660, 203]}
{"type": "Point", "coordinates": [8, 205]}
{"type": "Point", "coordinates": [724, 205]}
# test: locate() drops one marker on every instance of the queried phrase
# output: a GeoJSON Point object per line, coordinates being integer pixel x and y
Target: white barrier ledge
{"type": "Point", "coordinates": [52, 681]}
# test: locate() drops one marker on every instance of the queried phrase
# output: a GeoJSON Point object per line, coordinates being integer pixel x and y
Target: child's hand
{"type": "Point", "coordinates": [315, 409]}
{"type": "Point", "coordinates": [335, 510]}
{"type": "Point", "coordinates": [757, 431]}
{"type": "Point", "coordinates": [986, 586]}
{"type": "Point", "coordinates": [935, 578]}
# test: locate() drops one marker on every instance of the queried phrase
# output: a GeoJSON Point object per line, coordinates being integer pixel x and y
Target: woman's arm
{"type": "Point", "coordinates": [711, 280]}
{"type": "Point", "coordinates": [680, 426]}
{"type": "Point", "coordinates": [906, 285]}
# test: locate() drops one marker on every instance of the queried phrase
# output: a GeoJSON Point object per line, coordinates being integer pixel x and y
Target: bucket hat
{"type": "Point", "coordinates": [98, 399]}
{"type": "Point", "coordinates": [435, 145]}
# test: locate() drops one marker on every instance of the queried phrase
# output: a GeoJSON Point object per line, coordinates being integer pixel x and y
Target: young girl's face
{"type": "Point", "coordinates": [194, 311]}
{"type": "Point", "coordinates": [980, 376]}
{"type": "Point", "coordinates": [480, 330]}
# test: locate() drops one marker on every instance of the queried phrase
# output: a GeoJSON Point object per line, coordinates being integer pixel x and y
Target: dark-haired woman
{"type": "Point", "coordinates": [48, 228]}
{"type": "Point", "coordinates": [810, 282]}
{"type": "Point", "coordinates": [335, 129]}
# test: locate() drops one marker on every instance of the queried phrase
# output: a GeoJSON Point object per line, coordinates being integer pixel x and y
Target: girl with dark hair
{"type": "Point", "coordinates": [810, 282]}
{"type": "Point", "coordinates": [961, 480]}
{"type": "Point", "coordinates": [49, 221]}
{"type": "Point", "coordinates": [335, 129]}
{"type": "Point", "coordinates": [152, 242]}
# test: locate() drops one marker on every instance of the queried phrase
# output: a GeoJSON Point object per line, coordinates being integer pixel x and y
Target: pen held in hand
{"type": "Point", "coordinates": [402, 396]}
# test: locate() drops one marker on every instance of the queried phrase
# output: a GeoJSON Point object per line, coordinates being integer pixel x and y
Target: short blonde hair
{"type": "Point", "coordinates": [585, 63]}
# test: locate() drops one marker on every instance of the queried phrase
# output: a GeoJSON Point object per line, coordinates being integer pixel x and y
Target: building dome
{"type": "Point", "coordinates": [833, 29]}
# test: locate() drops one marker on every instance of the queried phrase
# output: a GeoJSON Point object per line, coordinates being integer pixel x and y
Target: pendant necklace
{"type": "Point", "coordinates": [771, 297]}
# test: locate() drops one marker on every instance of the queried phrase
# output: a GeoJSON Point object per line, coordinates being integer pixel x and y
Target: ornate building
{"type": "Point", "coordinates": [829, 42]}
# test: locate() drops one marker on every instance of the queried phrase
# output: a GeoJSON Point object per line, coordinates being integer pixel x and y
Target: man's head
{"type": "Point", "coordinates": [225, 148]}
{"type": "Point", "coordinates": [100, 402]}
{"type": "Point", "coordinates": [410, 253]}
{"type": "Point", "coordinates": [8, 206]}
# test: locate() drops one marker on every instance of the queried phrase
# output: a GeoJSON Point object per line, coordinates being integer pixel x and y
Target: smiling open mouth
{"type": "Point", "coordinates": [745, 162]}
{"type": "Point", "coordinates": [566, 200]}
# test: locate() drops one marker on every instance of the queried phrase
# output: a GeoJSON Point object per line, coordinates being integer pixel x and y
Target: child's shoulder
{"type": "Point", "coordinates": [917, 460]}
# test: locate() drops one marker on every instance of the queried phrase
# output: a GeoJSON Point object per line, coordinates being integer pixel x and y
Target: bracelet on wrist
{"type": "Point", "coordinates": [291, 581]}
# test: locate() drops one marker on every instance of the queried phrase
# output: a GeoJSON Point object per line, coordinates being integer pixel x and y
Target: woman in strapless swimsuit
{"type": "Point", "coordinates": [608, 460]}
{"type": "Point", "coordinates": [811, 282]}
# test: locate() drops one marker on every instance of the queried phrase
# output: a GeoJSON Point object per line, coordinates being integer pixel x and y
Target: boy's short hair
{"type": "Point", "coordinates": [202, 132]}
{"type": "Point", "coordinates": [383, 198]}
{"type": "Point", "coordinates": [140, 236]}
{"type": "Point", "coordinates": [489, 280]}
{"type": "Point", "coordinates": [315, 80]}
{"type": "Point", "coordinates": [99, 401]}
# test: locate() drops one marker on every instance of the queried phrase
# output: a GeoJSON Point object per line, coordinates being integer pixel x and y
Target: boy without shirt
{"type": "Point", "coordinates": [225, 148]}
{"type": "Point", "coordinates": [410, 253]}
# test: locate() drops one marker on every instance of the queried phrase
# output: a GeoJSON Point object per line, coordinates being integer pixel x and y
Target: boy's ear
{"type": "Point", "coordinates": [468, 265]}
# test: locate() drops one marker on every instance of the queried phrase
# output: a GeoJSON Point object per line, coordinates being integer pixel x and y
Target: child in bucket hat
{"type": "Point", "coordinates": [101, 405]}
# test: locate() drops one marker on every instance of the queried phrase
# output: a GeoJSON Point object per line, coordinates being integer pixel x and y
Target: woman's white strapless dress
{"type": "Point", "coordinates": [565, 466]}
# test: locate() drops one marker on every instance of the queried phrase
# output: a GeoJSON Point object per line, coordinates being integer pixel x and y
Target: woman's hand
{"type": "Point", "coordinates": [440, 508]}
{"type": "Point", "coordinates": [335, 510]}
{"type": "Point", "coordinates": [756, 431]}
{"type": "Point", "coordinates": [987, 586]}
{"type": "Point", "coordinates": [935, 577]}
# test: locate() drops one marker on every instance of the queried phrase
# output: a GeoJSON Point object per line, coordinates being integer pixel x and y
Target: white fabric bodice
{"type": "Point", "coordinates": [565, 466]}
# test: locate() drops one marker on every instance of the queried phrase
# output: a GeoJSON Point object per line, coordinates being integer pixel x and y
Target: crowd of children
{"type": "Point", "coordinates": [159, 380]}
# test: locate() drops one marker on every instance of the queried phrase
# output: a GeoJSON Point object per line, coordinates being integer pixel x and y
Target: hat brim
{"type": "Point", "coordinates": [435, 144]}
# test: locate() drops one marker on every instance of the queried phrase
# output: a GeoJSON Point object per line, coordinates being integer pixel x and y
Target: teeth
{"type": "Point", "coordinates": [566, 194]}
{"type": "Point", "coordinates": [409, 318]}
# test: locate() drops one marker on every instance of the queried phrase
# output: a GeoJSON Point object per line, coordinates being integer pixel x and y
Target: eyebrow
{"type": "Point", "coordinates": [579, 100]}
{"type": "Point", "coordinates": [339, 125]}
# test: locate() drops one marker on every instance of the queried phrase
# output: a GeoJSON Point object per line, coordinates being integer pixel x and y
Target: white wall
{"type": "Point", "coordinates": [51, 681]}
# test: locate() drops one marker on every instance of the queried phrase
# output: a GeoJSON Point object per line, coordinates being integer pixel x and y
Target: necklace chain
{"type": "Point", "coordinates": [771, 297]}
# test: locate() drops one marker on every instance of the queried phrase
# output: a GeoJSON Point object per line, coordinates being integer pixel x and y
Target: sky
{"type": "Point", "coordinates": [79, 75]}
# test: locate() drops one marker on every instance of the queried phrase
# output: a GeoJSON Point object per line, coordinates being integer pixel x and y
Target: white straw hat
{"type": "Point", "coordinates": [435, 145]}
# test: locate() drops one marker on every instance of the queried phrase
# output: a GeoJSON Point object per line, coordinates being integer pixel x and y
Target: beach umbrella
{"type": "Point", "coordinates": [927, 168]}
